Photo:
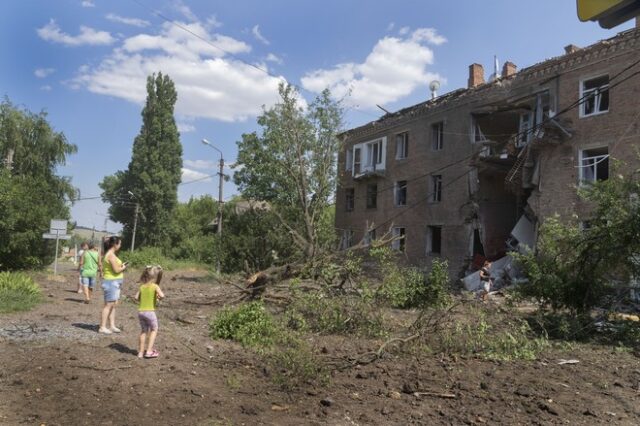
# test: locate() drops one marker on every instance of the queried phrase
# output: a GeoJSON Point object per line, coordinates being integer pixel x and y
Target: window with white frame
{"type": "Point", "coordinates": [349, 202]}
{"type": "Point", "coordinates": [525, 130]}
{"type": "Point", "coordinates": [348, 160]}
{"type": "Point", "coordinates": [347, 239]}
{"type": "Point", "coordinates": [437, 136]}
{"type": "Point", "coordinates": [594, 95]}
{"type": "Point", "coordinates": [398, 242]}
{"type": "Point", "coordinates": [436, 188]}
{"type": "Point", "coordinates": [402, 145]}
{"type": "Point", "coordinates": [594, 164]}
{"type": "Point", "coordinates": [400, 193]}
{"type": "Point", "coordinates": [357, 165]}
{"type": "Point", "coordinates": [434, 240]}
{"type": "Point", "coordinates": [374, 154]}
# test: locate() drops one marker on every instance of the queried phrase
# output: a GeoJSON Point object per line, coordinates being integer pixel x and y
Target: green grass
{"type": "Point", "coordinates": [18, 292]}
{"type": "Point", "coordinates": [154, 256]}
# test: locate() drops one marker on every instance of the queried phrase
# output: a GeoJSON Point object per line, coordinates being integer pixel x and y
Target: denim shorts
{"type": "Point", "coordinates": [111, 290]}
{"type": "Point", "coordinates": [148, 321]}
{"type": "Point", "coordinates": [88, 282]}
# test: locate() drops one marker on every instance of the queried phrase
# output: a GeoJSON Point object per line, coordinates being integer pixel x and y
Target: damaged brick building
{"type": "Point", "coordinates": [472, 173]}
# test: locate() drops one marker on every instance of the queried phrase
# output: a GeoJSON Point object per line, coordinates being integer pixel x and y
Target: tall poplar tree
{"type": "Point", "coordinates": [154, 172]}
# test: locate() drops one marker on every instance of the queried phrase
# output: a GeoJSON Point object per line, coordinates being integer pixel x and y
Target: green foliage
{"type": "Point", "coordinates": [334, 315]}
{"type": "Point", "coordinates": [18, 292]}
{"type": "Point", "coordinates": [292, 164]}
{"type": "Point", "coordinates": [296, 365]}
{"type": "Point", "coordinates": [191, 236]}
{"type": "Point", "coordinates": [31, 194]}
{"type": "Point", "coordinates": [402, 287]}
{"type": "Point", "coordinates": [154, 256]}
{"type": "Point", "coordinates": [488, 337]}
{"type": "Point", "coordinates": [249, 324]}
{"type": "Point", "coordinates": [154, 171]}
{"type": "Point", "coordinates": [438, 284]}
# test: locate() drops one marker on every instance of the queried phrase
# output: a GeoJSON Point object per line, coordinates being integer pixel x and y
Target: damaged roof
{"type": "Point", "coordinates": [549, 67]}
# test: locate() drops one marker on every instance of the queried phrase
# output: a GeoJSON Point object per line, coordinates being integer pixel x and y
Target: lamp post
{"type": "Point", "coordinates": [135, 221]}
{"type": "Point", "coordinates": [220, 178]}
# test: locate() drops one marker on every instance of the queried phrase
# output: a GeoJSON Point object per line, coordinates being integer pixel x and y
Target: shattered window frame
{"type": "Point", "coordinates": [347, 238]}
{"type": "Point", "coordinates": [399, 244]}
{"type": "Point", "coordinates": [348, 160]}
{"type": "Point", "coordinates": [593, 165]}
{"type": "Point", "coordinates": [400, 193]}
{"type": "Point", "coordinates": [594, 99]}
{"type": "Point", "coordinates": [436, 189]}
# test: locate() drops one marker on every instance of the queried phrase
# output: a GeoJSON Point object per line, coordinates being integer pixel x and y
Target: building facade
{"type": "Point", "coordinates": [472, 173]}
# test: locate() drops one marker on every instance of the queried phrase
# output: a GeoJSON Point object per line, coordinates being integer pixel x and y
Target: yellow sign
{"type": "Point", "coordinates": [589, 10]}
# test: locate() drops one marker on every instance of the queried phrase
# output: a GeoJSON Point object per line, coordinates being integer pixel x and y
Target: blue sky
{"type": "Point", "coordinates": [85, 62]}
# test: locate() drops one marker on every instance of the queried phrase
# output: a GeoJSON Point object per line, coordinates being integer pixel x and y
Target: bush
{"type": "Point", "coordinates": [334, 315]}
{"type": "Point", "coordinates": [153, 256]}
{"type": "Point", "coordinates": [249, 324]}
{"type": "Point", "coordinates": [18, 292]}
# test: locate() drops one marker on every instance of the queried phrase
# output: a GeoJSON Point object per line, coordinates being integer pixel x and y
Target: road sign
{"type": "Point", "coordinates": [58, 226]}
{"type": "Point", "coordinates": [608, 13]}
{"type": "Point", "coordinates": [57, 231]}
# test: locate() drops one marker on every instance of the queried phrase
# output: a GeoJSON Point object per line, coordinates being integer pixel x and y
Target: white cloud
{"type": "Point", "coordinates": [404, 30]}
{"type": "Point", "coordinates": [43, 72]}
{"type": "Point", "coordinates": [210, 83]}
{"type": "Point", "coordinates": [391, 26]}
{"type": "Point", "coordinates": [256, 33]}
{"type": "Point", "coordinates": [393, 69]}
{"type": "Point", "coordinates": [185, 127]}
{"type": "Point", "coordinates": [87, 36]}
{"type": "Point", "coordinates": [88, 3]}
{"type": "Point", "coordinates": [47, 88]}
{"type": "Point", "coordinates": [271, 57]}
{"type": "Point", "coordinates": [189, 175]}
{"type": "Point", "coordinates": [200, 164]}
{"type": "Point", "coordinates": [213, 23]}
{"type": "Point", "coordinates": [136, 22]}
{"type": "Point", "coordinates": [185, 11]}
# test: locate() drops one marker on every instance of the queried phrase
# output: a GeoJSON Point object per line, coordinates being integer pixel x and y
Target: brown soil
{"type": "Point", "coordinates": [56, 370]}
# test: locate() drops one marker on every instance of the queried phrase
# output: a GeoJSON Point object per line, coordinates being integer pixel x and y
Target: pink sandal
{"type": "Point", "coordinates": [152, 354]}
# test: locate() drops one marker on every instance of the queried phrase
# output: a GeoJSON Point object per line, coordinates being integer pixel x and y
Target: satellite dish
{"type": "Point", "coordinates": [434, 86]}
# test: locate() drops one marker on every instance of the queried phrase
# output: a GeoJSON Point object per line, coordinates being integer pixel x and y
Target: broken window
{"type": "Point", "coordinates": [347, 239]}
{"type": "Point", "coordinates": [525, 131]}
{"type": "Point", "coordinates": [400, 191]}
{"type": "Point", "coordinates": [437, 136]}
{"type": "Point", "coordinates": [594, 94]}
{"type": "Point", "coordinates": [399, 242]}
{"type": "Point", "coordinates": [372, 196]}
{"type": "Point", "coordinates": [436, 188]}
{"type": "Point", "coordinates": [594, 164]}
{"type": "Point", "coordinates": [349, 199]}
{"type": "Point", "coordinates": [374, 154]}
{"type": "Point", "coordinates": [348, 160]}
{"type": "Point", "coordinates": [434, 239]}
{"type": "Point", "coordinates": [356, 161]}
{"type": "Point", "coordinates": [370, 236]}
{"type": "Point", "coordinates": [402, 145]}
{"type": "Point", "coordinates": [476, 132]}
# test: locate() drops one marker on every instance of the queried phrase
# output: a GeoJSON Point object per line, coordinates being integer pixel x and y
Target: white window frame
{"type": "Point", "coordinates": [591, 163]}
{"type": "Point", "coordinates": [348, 160]}
{"type": "Point", "coordinates": [525, 132]}
{"type": "Point", "coordinates": [367, 162]}
{"type": "Point", "coordinates": [429, 241]}
{"type": "Point", "coordinates": [399, 244]}
{"type": "Point", "coordinates": [437, 136]}
{"type": "Point", "coordinates": [357, 160]}
{"type": "Point", "coordinates": [396, 193]}
{"type": "Point", "coordinates": [597, 96]}
{"type": "Point", "coordinates": [402, 145]}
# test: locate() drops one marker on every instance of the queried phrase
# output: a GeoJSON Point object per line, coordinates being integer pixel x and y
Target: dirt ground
{"type": "Point", "coordinates": [57, 370]}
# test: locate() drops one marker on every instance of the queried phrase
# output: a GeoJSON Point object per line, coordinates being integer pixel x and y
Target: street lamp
{"type": "Point", "coordinates": [220, 178]}
{"type": "Point", "coordinates": [135, 221]}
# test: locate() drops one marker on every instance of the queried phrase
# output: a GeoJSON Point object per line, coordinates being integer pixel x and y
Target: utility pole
{"type": "Point", "coordinates": [220, 179]}
{"type": "Point", "coordinates": [135, 221]}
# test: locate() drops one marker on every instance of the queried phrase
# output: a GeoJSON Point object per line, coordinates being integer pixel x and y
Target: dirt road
{"type": "Point", "coordinates": [57, 370]}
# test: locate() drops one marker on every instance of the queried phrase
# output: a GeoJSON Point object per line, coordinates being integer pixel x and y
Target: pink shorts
{"type": "Point", "coordinates": [148, 321]}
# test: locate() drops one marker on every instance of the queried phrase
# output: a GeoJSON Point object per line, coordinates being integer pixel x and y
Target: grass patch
{"type": "Point", "coordinates": [18, 292]}
{"type": "Point", "coordinates": [154, 256]}
{"type": "Point", "coordinates": [248, 324]}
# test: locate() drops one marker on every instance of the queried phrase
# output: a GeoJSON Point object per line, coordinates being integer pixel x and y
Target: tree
{"type": "Point", "coordinates": [31, 193]}
{"type": "Point", "coordinates": [292, 165]}
{"type": "Point", "coordinates": [154, 171]}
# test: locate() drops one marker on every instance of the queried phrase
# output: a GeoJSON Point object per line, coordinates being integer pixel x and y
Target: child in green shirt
{"type": "Point", "coordinates": [147, 295]}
